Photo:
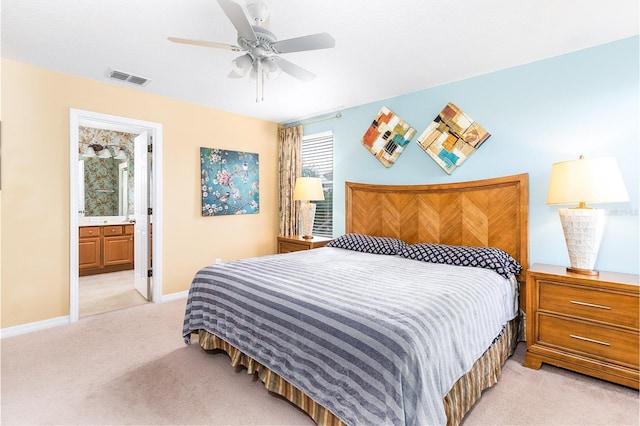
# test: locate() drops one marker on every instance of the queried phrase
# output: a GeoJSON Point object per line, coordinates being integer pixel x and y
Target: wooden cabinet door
{"type": "Point", "coordinates": [118, 250]}
{"type": "Point", "coordinates": [89, 253]}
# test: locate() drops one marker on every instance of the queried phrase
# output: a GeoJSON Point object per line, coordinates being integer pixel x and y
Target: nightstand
{"type": "Point", "coordinates": [297, 243]}
{"type": "Point", "coordinates": [587, 324]}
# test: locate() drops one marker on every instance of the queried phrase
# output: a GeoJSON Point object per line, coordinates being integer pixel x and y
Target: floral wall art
{"type": "Point", "coordinates": [387, 136]}
{"type": "Point", "coordinates": [230, 182]}
{"type": "Point", "coordinates": [452, 137]}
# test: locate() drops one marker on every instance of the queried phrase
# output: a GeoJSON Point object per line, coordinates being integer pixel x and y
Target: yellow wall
{"type": "Point", "coordinates": [0, 201]}
{"type": "Point", "coordinates": [35, 185]}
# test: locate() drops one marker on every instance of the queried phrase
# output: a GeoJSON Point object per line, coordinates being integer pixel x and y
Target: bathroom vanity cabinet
{"type": "Point", "coordinates": [105, 248]}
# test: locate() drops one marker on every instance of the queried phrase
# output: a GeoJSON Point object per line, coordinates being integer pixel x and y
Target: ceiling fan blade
{"type": "Point", "coordinates": [205, 43]}
{"type": "Point", "coordinates": [309, 42]}
{"type": "Point", "coordinates": [294, 70]}
{"type": "Point", "coordinates": [239, 20]}
{"type": "Point", "coordinates": [234, 74]}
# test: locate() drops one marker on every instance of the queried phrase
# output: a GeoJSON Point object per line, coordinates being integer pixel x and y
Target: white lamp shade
{"type": "Point", "coordinates": [309, 189]}
{"type": "Point", "coordinates": [593, 180]}
{"type": "Point", "coordinates": [105, 153]}
{"type": "Point", "coordinates": [121, 155]}
{"type": "Point", "coordinates": [242, 64]}
{"type": "Point", "coordinates": [271, 69]}
{"type": "Point", "coordinates": [89, 152]}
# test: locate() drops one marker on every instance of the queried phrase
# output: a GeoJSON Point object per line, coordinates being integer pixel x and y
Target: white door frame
{"type": "Point", "coordinates": [78, 118]}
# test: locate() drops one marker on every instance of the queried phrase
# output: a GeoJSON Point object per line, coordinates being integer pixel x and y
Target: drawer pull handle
{"type": "Point", "coordinates": [592, 305]}
{"type": "Point", "coordinates": [586, 339]}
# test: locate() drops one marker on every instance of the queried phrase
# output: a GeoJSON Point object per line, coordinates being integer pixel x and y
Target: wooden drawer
{"type": "Point", "coordinates": [588, 339]}
{"type": "Point", "coordinates": [588, 324]}
{"type": "Point", "coordinates": [128, 229]}
{"type": "Point", "coordinates": [287, 247]}
{"type": "Point", "coordinates": [112, 230]}
{"type": "Point", "coordinates": [296, 243]}
{"type": "Point", "coordinates": [595, 304]}
{"type": "Point", "coordinates": [89, 231]}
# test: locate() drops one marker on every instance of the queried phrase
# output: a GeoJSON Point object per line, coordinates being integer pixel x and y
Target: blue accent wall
{"type": "Point", "coordinates": [538, 114]}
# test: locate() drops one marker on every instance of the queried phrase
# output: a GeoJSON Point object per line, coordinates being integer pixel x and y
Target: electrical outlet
{"type": "Point", "coordinates": [218, 260]}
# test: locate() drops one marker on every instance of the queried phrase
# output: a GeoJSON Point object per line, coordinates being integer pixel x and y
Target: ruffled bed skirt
{"type": "Point", "coordinates": [465, 392]}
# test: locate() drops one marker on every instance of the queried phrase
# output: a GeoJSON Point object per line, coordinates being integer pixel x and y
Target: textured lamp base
{"type": "Point", "coordinates": [307, 215]}
{"type": "Point", "coordinates": [583, 228]}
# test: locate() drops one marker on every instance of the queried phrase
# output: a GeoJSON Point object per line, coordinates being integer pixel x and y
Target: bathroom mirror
{"type": "Point", "coordinates": [105, 181]}
{"type": "Point", "coordinates": [104, 187]}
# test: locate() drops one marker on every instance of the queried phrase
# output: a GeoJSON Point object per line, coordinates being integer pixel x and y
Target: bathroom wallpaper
{"type": "Point", "coordinates": [101, 174]}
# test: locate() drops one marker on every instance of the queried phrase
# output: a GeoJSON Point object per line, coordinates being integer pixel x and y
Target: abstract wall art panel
{"type": "Point", "coordinates": [452, 137]}
{"type": "Point", "coordinates": [387, 136]}
{"type": "Point", "coordinates": [230, 182]}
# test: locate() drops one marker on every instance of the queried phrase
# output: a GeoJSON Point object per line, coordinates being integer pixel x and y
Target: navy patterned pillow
{"type": "Point", "coordinates": [479, 257]}
{"type": "Point", "coordinates": [368, 244]}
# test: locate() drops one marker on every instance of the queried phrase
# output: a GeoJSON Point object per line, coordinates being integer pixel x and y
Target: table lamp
{"type": "Point", "coordinates": [595, 180]}
{"type": "Point", "coordinates": [308, 189]}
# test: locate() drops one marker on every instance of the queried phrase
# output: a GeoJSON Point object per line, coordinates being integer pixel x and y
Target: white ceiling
{"type": "Point", "coordinates": [383, 49]}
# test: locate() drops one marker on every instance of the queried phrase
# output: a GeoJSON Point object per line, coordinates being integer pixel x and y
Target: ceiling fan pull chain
{"type": "Point", "coordinates": [257, 82]}
{"type": "Point", "coordinates": [262, 80]}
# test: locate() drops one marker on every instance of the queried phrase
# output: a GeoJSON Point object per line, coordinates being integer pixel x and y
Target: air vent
{"type": "Point", "coordinates": [141, 81]}
{"type": "Point", "coordinates": [130, 78]}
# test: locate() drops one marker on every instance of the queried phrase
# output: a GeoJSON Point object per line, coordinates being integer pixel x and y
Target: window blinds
{"type": "Point", "coordinates": [317, 161]}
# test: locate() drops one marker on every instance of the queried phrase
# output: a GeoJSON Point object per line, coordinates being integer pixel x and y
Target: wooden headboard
{"type": "Point", "coordinates": [490, 212]}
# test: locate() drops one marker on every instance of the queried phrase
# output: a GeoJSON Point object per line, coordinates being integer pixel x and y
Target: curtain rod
{"type": "Point", "coordinates": [305, 122]}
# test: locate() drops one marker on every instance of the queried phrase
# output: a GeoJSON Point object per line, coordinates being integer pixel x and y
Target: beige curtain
{"type": "Point", "coordinates": [290, 145]}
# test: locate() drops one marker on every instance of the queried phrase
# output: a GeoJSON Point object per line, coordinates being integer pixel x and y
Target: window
{"type": "Point", "coordinates": [317, 161]}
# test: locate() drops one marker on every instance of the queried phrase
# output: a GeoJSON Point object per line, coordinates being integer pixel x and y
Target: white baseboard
{"type": "Point", "coordinates": [55, 322]}
{"type": "Point", "coordinates": [33, 326]}
{"type": "Point", "coordinates": [175, 296]}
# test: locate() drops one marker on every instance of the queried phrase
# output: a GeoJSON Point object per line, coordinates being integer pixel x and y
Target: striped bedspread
{"type": "Point", "coordinates": [376, 339]}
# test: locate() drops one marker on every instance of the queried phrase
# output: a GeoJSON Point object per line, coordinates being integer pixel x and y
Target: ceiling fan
{"type": "Point", "coordinates": [262, 47]}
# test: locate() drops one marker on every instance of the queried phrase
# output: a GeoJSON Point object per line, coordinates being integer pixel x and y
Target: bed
{"type": "Point", "coordinates": [387, 324]}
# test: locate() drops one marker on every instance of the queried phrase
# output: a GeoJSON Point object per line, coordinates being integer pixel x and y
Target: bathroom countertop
{"type": "Point", "coordinates": [102, 222]}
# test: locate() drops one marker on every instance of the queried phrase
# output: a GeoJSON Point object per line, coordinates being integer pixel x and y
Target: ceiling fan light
{"type": "Point", "coordinates": [271, 68]}
{"type": "Point", "coordinates": [242, 64]}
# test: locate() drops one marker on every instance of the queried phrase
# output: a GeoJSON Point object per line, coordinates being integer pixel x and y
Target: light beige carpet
{"type": "Point", "coordinates": [131, 367]}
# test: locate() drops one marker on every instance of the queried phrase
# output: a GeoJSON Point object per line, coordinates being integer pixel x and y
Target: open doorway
{"type": "Point", "coordinates": [110, 236]}
{"type": "Point", "coordinates": [109, 162]}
